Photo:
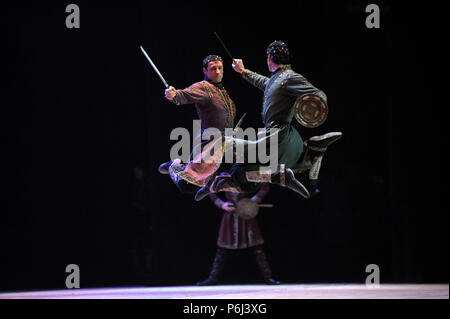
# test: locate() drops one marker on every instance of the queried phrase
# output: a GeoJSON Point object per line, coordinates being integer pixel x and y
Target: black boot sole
{"type": "Point", "coordinates": [293, 184]}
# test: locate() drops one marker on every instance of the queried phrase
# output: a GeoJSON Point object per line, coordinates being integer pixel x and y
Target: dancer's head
{"type": "Point", "coordinates": [213, 68]}
{"type": "Point", "coordinates": [277, 54]}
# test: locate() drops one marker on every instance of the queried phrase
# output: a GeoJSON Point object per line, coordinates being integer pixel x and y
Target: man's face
{"type": "Point", "coordinates": [214, 71]}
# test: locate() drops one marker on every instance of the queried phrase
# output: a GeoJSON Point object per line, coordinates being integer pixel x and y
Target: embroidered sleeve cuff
{"type": "Point", "coordinates": [247, 75]}
{"type": "Point", "coordinates": [175, 100]}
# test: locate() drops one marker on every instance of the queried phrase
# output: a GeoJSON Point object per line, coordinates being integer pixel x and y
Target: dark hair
{"type": "Point", "coordinates": [211, 58]}
{"type": "Point", "coordinates": [279, 52]}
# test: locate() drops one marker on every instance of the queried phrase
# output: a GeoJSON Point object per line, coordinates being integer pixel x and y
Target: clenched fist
{"type": "Point", "coordinates": [170, 93]}
{"type": "Point", "coordinates": [238, 65]}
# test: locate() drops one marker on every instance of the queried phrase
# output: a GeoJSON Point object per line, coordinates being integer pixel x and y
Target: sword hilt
{"type": "Point", "coordinates": [265, 205]}
{"type": "Point", "coordinates": [259, 205]}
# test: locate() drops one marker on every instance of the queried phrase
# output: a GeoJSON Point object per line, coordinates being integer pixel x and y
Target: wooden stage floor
{"type": "Point", "coordinates": [294, 291]}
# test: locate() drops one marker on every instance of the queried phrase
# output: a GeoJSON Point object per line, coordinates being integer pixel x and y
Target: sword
{"type": "Point", "coordinates": [157, 71]}
{"type": "Point", "coordinates": [259, 205]}
{"type": "Point", "coordinates": [238, 125]}
{"type": "Point", "coordinates": [221, 42]}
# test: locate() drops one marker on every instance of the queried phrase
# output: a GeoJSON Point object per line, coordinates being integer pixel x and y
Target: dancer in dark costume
{"type": "Point", "coordinates": [237, 233]}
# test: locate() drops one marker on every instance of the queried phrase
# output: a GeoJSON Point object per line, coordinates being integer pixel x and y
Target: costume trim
{"type": "Point", "coordinates": [180, 169]}
{"type": "Point", "coordinates": [258, 176]}
{"type": "Point", "coordinates": [248, 75]}
{"type": "Point", "coordinates": [314, 172]}
{"type": "Point", "coordinates": [282, 175]}
{"type": "Point", "coordinates": [207, 88]}
{"type": "Point", "coordinates": [317, 149]}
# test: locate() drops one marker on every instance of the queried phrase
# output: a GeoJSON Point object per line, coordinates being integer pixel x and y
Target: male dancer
{"type": "Point", "coordinates": [237, 233]}
{"type": "Point", "coordinates": [215, 109]}
{"type": "Point", "coordinates": [280, 93]}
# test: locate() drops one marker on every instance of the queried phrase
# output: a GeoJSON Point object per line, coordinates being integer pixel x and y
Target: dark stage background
{"type": "Point", "coordinates": [83, 115]}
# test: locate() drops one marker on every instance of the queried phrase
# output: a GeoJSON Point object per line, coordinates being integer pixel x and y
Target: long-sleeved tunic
{"type": "Point", "coordinates": [236, 232]}
{"type": "Point", "coordinates": [280, 93]}
{"type": "Point", "coordinates": [215, 109]}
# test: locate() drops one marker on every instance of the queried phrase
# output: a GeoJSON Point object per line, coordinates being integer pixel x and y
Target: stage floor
{"type": "Point", "coordinates": [310, 291]}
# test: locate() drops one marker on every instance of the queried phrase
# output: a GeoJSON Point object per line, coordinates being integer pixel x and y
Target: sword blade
{"type": "Point", "coordinates": [238, 125]}
{"type": "Point", "coordinates": [223, 44]}
{"type": "Point", "coordinates": [154, 67]}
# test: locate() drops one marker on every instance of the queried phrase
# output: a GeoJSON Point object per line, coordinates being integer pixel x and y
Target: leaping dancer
{"type": "Point", "coordinates": [286, 94]}
{"type": "Point", "coordinates": [216, 109]}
